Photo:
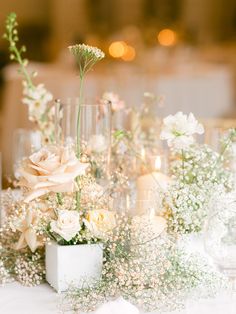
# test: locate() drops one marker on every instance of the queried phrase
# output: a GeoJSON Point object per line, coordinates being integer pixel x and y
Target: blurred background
{"type": "Point", "coordinates": [182, 49]}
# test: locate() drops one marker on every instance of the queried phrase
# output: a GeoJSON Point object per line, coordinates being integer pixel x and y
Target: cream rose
{"type": "Point", "coordinates": [52, 169]}
{"type": "Point", "coordinates": [67, 225]}
{"type": "Point", "coordinates": [100, 221]}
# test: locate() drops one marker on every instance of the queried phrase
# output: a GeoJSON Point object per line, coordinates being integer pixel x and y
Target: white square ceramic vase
{"type": "Point", "coordinates": [76, 265]}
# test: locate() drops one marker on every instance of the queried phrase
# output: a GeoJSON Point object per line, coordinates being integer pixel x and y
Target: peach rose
{"type": "Point", "coordinates": [52, 169]}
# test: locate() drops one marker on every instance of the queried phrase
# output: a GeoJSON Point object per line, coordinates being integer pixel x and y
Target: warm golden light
{"type": "Point", "coordinates": [117, 49]}
{"type": "Point", "coordinates": [158, 163]}
{"type": "Point", "coordinates": [129, 54]}
{"type": "Point", "coordinates": [167, 37]}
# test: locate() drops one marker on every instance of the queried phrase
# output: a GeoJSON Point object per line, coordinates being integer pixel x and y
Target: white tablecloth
{"type": "Point", "coordinates": [15, 299]}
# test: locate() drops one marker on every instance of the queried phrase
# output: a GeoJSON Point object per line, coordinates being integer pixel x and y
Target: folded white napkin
{"type": "Point", "coordinates": [119, 306]}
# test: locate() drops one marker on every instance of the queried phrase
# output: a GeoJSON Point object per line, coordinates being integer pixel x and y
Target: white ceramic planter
{"type": "Point", "coordinates": [73, 264]}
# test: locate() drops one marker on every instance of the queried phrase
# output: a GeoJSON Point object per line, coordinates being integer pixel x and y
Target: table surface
{"type": "Point", "coordinates": [16, 299]}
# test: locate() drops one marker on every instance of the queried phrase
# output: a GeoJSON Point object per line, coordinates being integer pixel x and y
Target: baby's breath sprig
{"type": "Point", "coordinates": [11, 35]}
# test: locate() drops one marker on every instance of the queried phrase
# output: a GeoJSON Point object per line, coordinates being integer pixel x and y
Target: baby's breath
{"type": "Point", "coordinates": [150, 272]}
{"type": "Point", "coordinates": [197, 173]}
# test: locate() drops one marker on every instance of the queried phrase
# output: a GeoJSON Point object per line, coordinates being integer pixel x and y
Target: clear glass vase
{"type": "Point", "coordinates": [25, 142]}
{"type": "Point", "coordinates": [220, 238]}
{"type": "Point", "coordinates": [88, 128]}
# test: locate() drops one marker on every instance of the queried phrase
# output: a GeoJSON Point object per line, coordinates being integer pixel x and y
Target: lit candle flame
{"type": "Point", "coordinates": [158, 163]}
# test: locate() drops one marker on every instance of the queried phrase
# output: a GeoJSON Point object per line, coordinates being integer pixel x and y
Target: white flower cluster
{"type": "Point", "coordinates": [179, 129]}
{"type": "Point", "coordinates": [197, 174]}
{"type": "Point", "coordinates": [186, 207]}
{"type": "Point", "coordinates": [86, 50]}
{"type": "Point", "coordinates": [86, 56]}
{"type": "Point", "coordinates": [200, 164]}
{"type": "Point", "coordinates": [37, 99]}
{"type": "Point", "coordinates": [29, 269]}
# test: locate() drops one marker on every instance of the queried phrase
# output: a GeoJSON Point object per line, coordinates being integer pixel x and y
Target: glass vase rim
{"type": "Point", "coordinates": [75, 101]}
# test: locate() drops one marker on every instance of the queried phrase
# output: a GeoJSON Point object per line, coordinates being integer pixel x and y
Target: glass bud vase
{"type": "Point", "coordinates": [88, 128]}
{"type": "Point", "coordinates": [220, 239]}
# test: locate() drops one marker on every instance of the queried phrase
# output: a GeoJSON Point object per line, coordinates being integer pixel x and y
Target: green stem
{"type": "Point", "coordinates": [79, 112]}
{"type": "Point", "coordinates": [229, 140]}
{"type": "Point", "coordinates": [59, 198]}
{"type": "Point", "coordinates": [182, 155]}
{"type": "Point", "coordinates": [19, 59]}
{"type": "Point", "coordinates": [78, 193]}
{"type": "Point", "coordinates": [25, 73]}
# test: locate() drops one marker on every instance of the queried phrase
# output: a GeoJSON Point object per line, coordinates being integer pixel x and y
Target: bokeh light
{"type": "Point", "coordinates": [167, 37]}
{"type": "Point", "coordinates": [129, 54]}
{"type": "Point", "coordinates": [117, 49]}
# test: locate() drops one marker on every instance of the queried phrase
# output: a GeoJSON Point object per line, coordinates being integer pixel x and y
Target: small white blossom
{"type": "Point", "coordinates": [37, 99]}
{"type": "Point", "coordinates": [179, 129]}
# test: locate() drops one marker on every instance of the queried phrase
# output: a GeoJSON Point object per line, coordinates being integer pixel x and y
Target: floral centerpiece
{"type": "Point", "coordinates": [61, 207]}
{"type": "Point", "coordinates": [47, 212]}
{"type": "Point", "coordinates": [143, 262]}
{"type": "Point", "coordinates": [99, 254]}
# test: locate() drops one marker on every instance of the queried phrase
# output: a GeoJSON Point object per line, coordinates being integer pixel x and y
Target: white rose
{"type": "Point", "coordinates": [67, 225]}
{"type": "Point", "coordinates": [179, 129]}
{"type": "Point", "coordinates": [100, 221]}
{"type": "Point", "coordinates": [97, 143]}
